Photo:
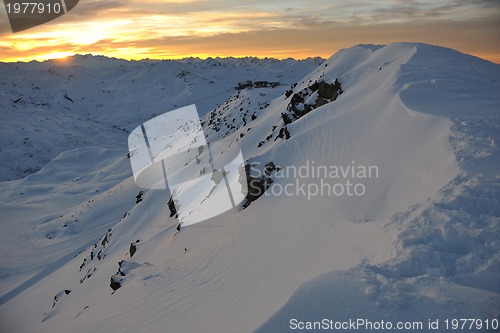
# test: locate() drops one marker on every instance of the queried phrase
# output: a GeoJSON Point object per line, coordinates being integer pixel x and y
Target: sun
{"type": "Point", "coordinates": [59, 56]}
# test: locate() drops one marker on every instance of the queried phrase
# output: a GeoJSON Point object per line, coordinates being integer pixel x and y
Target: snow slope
{"type": "Point", "coordinates": [68, 121]}
{"type": "Point", "coordinates": [420, 243]}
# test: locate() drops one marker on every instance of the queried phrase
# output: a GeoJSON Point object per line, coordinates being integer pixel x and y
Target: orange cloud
{"type": "Point", "coordinates": [134, 29]}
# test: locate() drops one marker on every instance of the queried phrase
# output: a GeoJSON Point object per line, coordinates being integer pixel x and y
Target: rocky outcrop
{"type": "Point", "coordinates": [96, 254]}
{"type": "Point", "coordinates": [171, 207]}
{"type": "Point", "coordinates": [132, 249]}
{"type": "Point", "coordinates": [257, 186]}
{"type": "Point", "coordinates": [124, 268]}
{"type": "Point", "coordinates": [283, 134]}
{"type": "Point", "coordinates": [285, 118]}
{"type": "Point", "coordinates": [115, 283]}
{"type": "Point", "coordinates": [302, 102]}
{"type": "Point", "coordinates": [325, 92]}
{"type": "Point", "coordinates": [138, 197]}
{"type": "Point", "coordinates": [59, 295]}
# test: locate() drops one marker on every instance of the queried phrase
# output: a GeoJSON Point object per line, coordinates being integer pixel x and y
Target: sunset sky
{"type": "Point", "coordinates": [156, 29]}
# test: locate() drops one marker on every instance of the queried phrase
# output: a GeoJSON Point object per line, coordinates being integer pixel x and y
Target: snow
{"type": "Point", "coordinates": [420, 244]}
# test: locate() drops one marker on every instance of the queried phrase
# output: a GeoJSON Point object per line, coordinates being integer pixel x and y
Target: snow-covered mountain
{"type": "Point", "coordinates": [60, 105]}
{"type": "Point", "coordinates": [382, 198]}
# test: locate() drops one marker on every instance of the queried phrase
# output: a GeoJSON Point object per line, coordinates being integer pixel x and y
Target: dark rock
{"type": "Point", "coordinates": [320, 101]}
{"type": "Point", "coordinates": [132, 250]}
{"type": "Point", "coordinates": [298, 113]}
{"type": "Point", "coordinates": [283, 134]}
{"type": "Point", "coordinates": [257, 186]}
{"type": "Point", "coordinates": [326, 90]}
{"type": "Point", "coordinates": [307, 108]}
{"type": "Point", "coordinates": [287, 134]}
{"type": "Point", "coordinates": [120, 263]}
{"type": "Point", "coordinates": [115, 285]}
{"type": "Point", "coordinates": [314, 86]}
{"type": "Point", "coordinates": [338, 86]}
{"type": "Point", "coordinates": [171, 207]}
{"type": "Point", "coordinates": [296, 99]}
{"type": "Point", "coordinates": [68, 98]}
{"type": "Point", "coordinates": [270, 167]}
{"type": "Point", "coordinates": [286, 119]}
{"type": "Point", "coordinates": [138, 197]}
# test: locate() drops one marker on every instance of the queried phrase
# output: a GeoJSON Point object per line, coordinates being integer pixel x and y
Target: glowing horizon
{"type": "Point", "coordinates": [154, 29]}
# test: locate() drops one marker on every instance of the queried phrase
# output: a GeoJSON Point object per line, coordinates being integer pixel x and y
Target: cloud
{"type": "Point", "coordinates": [404, 10]}
{"type": "Point", "coordinates": [95, 8]}
{"type": "Point", "coordinates": [321, 39]}
{"type": "Point", "coordinates": [172, 29]}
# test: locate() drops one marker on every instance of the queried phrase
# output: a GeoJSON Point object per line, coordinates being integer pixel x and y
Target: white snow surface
{"type": "Point", "coordinates": [422, 242]}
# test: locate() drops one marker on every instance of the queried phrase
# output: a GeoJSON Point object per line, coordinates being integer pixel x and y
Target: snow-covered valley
{"type": "Point", "coordinates": [415, 239]}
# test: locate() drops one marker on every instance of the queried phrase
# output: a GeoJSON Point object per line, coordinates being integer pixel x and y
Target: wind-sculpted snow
{"type": "Point", "coordinates": [382, 203]}
{"type": "Point", "coordinates": [447, 262]}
